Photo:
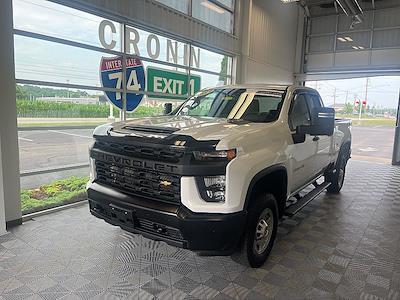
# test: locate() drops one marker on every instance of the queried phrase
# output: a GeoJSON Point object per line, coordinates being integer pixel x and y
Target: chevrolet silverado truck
{"type": "Point", "coordinates": [218, 173]}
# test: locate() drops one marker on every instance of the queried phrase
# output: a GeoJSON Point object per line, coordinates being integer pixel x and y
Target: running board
{"type": "Point", "coordinates": [295, 208]}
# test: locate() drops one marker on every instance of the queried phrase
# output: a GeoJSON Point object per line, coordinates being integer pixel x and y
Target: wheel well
{"type": "Point", "coordinates": [346, 147]}
{"type": "Point", "coordinates": [274, 182]}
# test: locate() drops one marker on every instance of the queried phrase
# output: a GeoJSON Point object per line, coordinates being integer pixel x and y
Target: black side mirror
{"type": "Point", "coordinates": [167, 108]}
{"type": "Point", "coordinates": [322, 122]}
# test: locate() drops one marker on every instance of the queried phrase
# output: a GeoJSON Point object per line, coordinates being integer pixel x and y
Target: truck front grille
{"type": "Point", "coordinates": [139, 181]}
{"type": "Point", "coordinates": [159, 154]}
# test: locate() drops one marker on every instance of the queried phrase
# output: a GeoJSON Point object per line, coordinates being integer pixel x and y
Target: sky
{"type": "Point", "coordinates": [383, 91]}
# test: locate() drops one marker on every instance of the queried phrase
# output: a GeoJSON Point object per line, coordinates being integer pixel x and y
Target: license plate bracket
{"type": "Point", "coordinates": [122, 215]}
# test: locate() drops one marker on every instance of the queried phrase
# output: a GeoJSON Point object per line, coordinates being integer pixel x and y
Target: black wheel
{"type": "Point", "coordinates": [261, 230]}
{"type": "Point", "coordinates": [337, 178]}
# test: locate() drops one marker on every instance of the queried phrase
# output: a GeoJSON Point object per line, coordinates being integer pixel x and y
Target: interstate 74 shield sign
{"type": "Point", "coordinates": [111, 77]}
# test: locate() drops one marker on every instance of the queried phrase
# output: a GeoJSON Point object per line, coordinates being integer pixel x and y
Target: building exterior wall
{"type": "Point", "coordinates": [165, 20]}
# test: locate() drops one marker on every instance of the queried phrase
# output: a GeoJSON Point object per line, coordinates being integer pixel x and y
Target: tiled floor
{"type": "Point", "coordinates": [345, 246]}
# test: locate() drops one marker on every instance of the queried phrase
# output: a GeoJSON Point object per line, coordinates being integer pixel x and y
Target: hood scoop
{"type": "Point", "coordinates": [150, 129]}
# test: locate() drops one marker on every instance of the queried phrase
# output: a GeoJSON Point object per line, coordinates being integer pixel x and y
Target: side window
{"type": "Point", "coordinates": [313, 101]}
{"type": "Point", "coordinates": [299, 113]}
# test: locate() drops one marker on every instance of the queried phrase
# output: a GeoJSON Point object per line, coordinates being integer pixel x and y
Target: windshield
{"type": "Point", "coordinates": [234, 104]}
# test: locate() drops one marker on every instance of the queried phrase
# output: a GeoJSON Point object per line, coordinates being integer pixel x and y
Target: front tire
{"type": "Point", "coordinates": [261, 230]}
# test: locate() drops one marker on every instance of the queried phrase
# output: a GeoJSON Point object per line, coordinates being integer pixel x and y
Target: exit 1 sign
{"type": "Point", "coordinates": [172, 83]}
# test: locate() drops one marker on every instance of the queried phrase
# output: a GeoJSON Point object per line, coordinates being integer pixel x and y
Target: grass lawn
{"type": "Point", "coordinates": [57, 193]}
{"type": "Point", "coordinates": [369, 121]}
{"type": "Point", "coordinates": [374, 122]}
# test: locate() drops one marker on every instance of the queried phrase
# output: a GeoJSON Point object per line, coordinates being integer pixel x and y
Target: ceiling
{"type": "Point", "coordinates": [332, 7]}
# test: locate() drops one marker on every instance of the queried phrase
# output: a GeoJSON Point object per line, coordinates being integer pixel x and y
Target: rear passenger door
{"type": "Point", "coordinates": [301, 153]}
{"type": "Point", "coordinates": [323, 142]}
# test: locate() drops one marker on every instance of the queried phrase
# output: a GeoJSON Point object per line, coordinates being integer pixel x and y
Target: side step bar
{"type": "Point", "coordinates": [295, 208]}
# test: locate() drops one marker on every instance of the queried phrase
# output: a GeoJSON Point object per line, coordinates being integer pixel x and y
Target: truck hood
{"type": "Point", "coordinates": [200, 128]}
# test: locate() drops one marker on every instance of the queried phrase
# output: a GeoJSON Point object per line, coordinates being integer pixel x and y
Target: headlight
{"type": "Point", "coordinates": [212, 155]}
{"type": "Point", "coordinates": [212, 188]}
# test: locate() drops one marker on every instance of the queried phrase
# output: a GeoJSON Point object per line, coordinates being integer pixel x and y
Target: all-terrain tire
{"type": "Point", "coordinates": [337, 178]}
{"type": "Point", "coordinates": [261, 230]}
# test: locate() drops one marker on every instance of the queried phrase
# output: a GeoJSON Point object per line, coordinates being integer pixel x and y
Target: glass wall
{"type": "Point", "coordinates": [70, 65]}
{"type": "Point", "coordinates": [218, 13]}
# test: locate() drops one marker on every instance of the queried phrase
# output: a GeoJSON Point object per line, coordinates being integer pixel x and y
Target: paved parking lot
{"type": "Point", "coordinates": [373, 143]}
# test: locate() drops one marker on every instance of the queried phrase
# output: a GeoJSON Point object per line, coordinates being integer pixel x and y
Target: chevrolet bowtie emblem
{"type": "Point", "coordinates": [165, 183]}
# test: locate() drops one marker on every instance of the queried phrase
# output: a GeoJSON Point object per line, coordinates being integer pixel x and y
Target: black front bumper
{"type": "Point", "coordinates": [171, 223]}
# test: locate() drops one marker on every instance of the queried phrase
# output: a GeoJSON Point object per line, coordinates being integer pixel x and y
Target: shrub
{"type": "Point", "coordinates": [64, 191]}
{"type": "Point", "coordinates": [45, 109]}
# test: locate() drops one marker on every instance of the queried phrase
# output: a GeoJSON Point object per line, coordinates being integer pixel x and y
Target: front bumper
{"type": "Point", "coordinates": [171, 223]}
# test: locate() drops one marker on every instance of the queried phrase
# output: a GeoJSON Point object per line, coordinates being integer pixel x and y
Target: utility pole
{"type": "Point", "coordinates": [334, 98]}
{"type": "Point", "coordinates": [366, 97]}
{"type": "Point", "coordinates": [68, 87]}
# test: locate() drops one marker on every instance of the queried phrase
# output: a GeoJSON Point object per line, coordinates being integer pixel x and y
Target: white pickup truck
{"type": "Point", "coordinates": [217, 174]}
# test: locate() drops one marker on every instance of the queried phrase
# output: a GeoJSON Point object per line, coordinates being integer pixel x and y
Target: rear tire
{"type": "Point", "coordinates": [337, 178]}
{"type": "Point", "coordinates": [261, 230]}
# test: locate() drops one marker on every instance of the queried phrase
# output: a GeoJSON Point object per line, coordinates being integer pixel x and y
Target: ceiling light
{"type": "Point", "coordinates": [361, 47]}
{"type": "Point", "coordinates": [341, 39]}
{"type": "Point", "coordinates": [347, 38]}
{"type": "Point", "coordinates": [355, 47]}
{"type": "Point", "coordinates": [213, 7]}
{"type": "Point", "coordinates": [289, 1]}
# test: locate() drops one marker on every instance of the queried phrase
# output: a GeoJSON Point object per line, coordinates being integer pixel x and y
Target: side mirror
{"type": "Point", "coordinates": [167, 108]}
{"type": "Point", "coordinates": [322, 122]}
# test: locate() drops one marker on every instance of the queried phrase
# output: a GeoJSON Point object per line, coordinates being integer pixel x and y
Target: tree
{"type": "Point", "coordinates": [348, 108]}
{"type": "Point", "coordinates": [223, 73]}
{"type": "Point", "coordinates": [20, 92]}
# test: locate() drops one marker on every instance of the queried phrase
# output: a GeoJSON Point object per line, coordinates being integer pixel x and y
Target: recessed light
{"type": "Point", "coordinates": [347, 38]}
{"type": "Point", "coordinates": [355, 47]}
{"type": "Point", "coordinates": [341, 39]}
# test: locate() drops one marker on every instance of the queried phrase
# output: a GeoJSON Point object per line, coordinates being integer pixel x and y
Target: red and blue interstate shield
{"type": "Point", "coordinates": [111, 77]}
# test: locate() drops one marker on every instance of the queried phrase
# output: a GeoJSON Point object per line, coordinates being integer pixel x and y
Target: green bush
{"type": "Point", "coordinates": [45, 109]}
{"type": "Point", "coordinates": [64, 191]}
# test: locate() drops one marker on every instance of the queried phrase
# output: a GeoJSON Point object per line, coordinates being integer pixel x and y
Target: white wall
{"type": "Point", "coordinates": [269, 41]}
{"type": "Point", "coordinates": [8, 118]}
{"type": "Point", "coordinates": [2, 206]}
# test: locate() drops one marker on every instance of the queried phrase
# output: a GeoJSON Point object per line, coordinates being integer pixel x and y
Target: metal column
{"type": "Point", "coordinates": [396, 146]}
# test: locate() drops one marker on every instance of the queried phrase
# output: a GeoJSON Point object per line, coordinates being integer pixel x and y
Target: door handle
{"type": "Point", "coordinates": [316, 138]}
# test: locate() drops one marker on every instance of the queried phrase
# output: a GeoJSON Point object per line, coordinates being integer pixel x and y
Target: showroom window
{"type": "Point", "coordinates": [70, 65]}
{"type": "Point", "coordinates": [218, 13]}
